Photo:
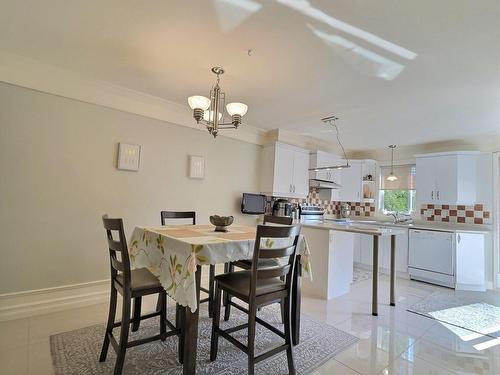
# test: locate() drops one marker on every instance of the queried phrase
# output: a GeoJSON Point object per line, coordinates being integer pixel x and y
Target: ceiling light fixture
{"type": "Point", "coordinates": [392, 176]}
{"type": "Point", "coordinates": [204, 109]}
{"type": "Point", "coordinates": [331, 121]}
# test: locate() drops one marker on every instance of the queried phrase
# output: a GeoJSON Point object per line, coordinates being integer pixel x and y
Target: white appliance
{"type": "Point", "coordinates": [432, 257]}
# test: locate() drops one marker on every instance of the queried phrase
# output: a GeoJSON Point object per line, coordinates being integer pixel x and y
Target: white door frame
{"type": "Point", "coordinates": [496, 219]}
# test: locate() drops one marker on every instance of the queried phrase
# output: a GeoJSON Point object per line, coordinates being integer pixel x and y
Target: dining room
{"type": "Point", "coordinates": [206, 187]}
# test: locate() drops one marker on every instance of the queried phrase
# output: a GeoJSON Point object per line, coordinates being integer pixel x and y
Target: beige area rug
{"type": "Point", "coordinates": [77, 352]}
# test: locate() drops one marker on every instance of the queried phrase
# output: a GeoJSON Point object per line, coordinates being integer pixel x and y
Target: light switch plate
{"type": "Point", "coordinates": [129, 157]}
{"type": "Point", "coordinates": [196, 167]}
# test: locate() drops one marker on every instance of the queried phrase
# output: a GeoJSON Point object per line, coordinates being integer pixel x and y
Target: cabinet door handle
{"type": "Point", "coordinates": [437, 195]}
{"type": "Point", "coordinates": [459, 238]}
{"type": "Point", "coordinates": [294, 188]}
{"type": "Point", "coordinates": [290, 188]}
{"type": "Point", "coordinates": [432, 195]}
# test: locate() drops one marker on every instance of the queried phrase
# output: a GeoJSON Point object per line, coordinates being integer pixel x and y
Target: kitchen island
{"type": "Point", "coordinates": [332, 245]}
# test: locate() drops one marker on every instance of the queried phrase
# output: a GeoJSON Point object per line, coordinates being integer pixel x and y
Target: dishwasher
{"type": "Point", "coordinates": [432, 257]}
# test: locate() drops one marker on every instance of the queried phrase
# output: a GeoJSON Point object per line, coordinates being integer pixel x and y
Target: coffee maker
{"type": "Point", "coordinates": [282, 207]}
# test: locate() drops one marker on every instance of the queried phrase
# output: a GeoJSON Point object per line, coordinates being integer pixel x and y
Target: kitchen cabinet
{"type": "Point", "coordinates": [285, 171]}
{"type": "Point", "coordinates": [447, 178]}
{"type": "Point", "coordinates": [331, 260]}
{"type": "Point", "coordinates": [470, 248]}
{"type": "Point", "coordinates": [325, 159]}
{"type": "Point", "coordinates": [352, 182]}
{"type": "Point", "coordinates": [363, 252]}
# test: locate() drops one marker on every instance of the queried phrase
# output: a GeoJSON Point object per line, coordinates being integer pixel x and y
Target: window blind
{"type": "Point", "coordinates": [405, 175]}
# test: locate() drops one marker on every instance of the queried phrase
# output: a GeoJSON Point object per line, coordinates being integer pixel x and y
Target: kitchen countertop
{"type": "Point", "coordinates": [359, 228]}
{"type": "Point", "coordinates": [438, 226]}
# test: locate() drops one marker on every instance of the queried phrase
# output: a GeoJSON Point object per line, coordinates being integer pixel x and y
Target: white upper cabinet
{"type": "Point", "coordinates": [285, 171]}
{"type": "Point", "coordinates": [352, 181]}
{"type": "Point", "coordinates": [447, 178]}
{"type": "Point", "coordinates": [300, 178]}
{"type": "Point", "coordinates": [320, 159]}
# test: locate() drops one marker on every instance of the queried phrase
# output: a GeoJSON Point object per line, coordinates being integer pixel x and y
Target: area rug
{"type": "Point", "coordinates": [77, 352]}
{"type": "Point", "coordinates": [476, 312]}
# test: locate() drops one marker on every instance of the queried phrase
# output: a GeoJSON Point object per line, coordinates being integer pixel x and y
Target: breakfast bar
{"type": "Point", "coordinates": [331, 245]}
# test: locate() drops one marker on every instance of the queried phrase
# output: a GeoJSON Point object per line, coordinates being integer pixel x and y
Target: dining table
{"type": "Point", "coordinates": [175, 254]}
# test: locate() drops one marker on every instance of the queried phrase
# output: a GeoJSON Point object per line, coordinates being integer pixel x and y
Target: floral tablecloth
{"type": "Point", "coordinates": [172, 253]}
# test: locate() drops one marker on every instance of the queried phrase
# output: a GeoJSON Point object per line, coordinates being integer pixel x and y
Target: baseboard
{"type": "Point", "coordinates": [43, 301]}
{"type": "Point", "coordinates": [471, 287]}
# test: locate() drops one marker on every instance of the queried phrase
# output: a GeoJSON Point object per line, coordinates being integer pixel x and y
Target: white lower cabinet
{"type": "Point", "coordinates": [363, 252]}
{"type": "Point", "coordinates": [331, 262]}
{"type": "Point", "coordinates": [470, 261]}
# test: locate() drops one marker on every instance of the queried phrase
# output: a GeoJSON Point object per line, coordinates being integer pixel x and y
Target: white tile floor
{"type": "Point", "coordinates": [395, 342]}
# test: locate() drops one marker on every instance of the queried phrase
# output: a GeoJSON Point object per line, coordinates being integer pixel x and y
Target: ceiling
{"type": "Point", "coordinates": [394, 72]}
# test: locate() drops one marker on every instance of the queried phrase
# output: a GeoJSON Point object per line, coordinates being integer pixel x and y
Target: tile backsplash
{"type": "Point", "coordinates": [333, 207]}
{"type": "Point", "coordinates": [474, 214]}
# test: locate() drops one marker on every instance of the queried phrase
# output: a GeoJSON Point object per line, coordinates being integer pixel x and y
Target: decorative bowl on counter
{"type": "Point", "coordinates": [221, 222]}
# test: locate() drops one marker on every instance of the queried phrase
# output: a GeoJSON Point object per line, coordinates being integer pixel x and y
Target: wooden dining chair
{"type": "Point", "coordinates": [165, 215]}
{"type": "Point", "coordinates": [131, 284]}
{"type": "Point", "coordinates": [246, 264]}
{"type": "Point", "coordinates": [257, 287]}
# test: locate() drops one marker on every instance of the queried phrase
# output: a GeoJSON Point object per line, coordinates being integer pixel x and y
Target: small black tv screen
{"type": "Point", "coordinates": [253, 204]}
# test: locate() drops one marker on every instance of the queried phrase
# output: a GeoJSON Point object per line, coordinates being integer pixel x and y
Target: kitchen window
{"type": "Point", "coordinates": [399, 195]}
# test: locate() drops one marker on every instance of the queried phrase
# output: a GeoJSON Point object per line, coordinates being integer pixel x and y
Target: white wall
{"type": "Point", "coordinates": [58, 176]}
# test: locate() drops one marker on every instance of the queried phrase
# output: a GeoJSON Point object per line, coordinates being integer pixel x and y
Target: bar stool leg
{"type": "Point", "coordinates": [109, 325]}
{"type": "Point", "coordinates": [211, 280]}
{"type": "Point", "coordinates": [252, 312]}
{"type": "Point", "coordinates": [214, 342]}
{"type": "Point", "coordinates": [288, 335]}
{"type": "Point", "coordinates": [136, 321]}
{"type": "Point", "coordinates": [124, 331]}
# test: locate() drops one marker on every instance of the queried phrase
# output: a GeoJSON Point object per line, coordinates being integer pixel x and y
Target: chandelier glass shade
{"type": "Point", "coordinates": [204, 109]}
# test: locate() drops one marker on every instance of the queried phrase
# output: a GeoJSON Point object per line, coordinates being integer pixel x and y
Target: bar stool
{"type": "Point", "coordinates": [257, 287]}
{"type": "Point", "coordinates": [131, 284]}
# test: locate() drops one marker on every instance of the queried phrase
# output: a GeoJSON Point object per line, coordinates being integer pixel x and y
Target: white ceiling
{"type": "Point", "coordinates": [404, 72]}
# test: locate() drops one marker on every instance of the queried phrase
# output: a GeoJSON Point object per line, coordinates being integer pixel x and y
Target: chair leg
{"type": "Point", "coordinates": [124, 331]}
{"type": "Point", "coordinates": [214, 342]}
{"type": "Point", "coordinates": [109, 325]}
{"type": "Point", "coordinates": [163, 316]}
{"type": "Point", "coordinates": [179, 323]}
{"type": "Point", "coordinates": [227, 310]}
{"type": "Point", "coordinates": [282, 304]}
{"type": "Point", "coordinates": [211, 280]}
{"type": "Point", "coordinates": [136, 317]}
{"type": "Point", "coordinates": [224, 294]}
{"type": "Point", "coordinates": [252, 312]}
{"type": "Point", "coordinates": [288, 335]}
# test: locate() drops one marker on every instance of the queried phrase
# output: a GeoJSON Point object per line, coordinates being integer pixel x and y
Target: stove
{"type": "Point", "coordinates": [311, 212]}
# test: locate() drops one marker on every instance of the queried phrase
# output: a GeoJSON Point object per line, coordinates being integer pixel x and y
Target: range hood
{"type": "Point", "coordinates": [323, 184]}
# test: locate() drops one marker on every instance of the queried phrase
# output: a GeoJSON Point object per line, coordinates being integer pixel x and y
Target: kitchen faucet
{"type": "Point", "coordinates": [400, 219]}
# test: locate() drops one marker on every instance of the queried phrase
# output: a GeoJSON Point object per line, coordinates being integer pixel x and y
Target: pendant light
{"type": "Point", "coordinates": [331, 121]}
{"type": "Point", "coordinates": [392, 176]}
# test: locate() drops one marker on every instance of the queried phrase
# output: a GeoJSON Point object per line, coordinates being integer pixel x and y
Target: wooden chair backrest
{"type": "Point", "coordinates": [290, 234]}
{"type": "Point", "coordinates": [117, 246]}
{"type": "Point", "coordinates": [178, 215]}
{"type": "Point", "coordinates": [283, 220]}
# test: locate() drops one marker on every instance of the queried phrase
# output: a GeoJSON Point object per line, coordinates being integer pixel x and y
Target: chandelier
{"type": "Point", "coordinates": [209, 111]}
